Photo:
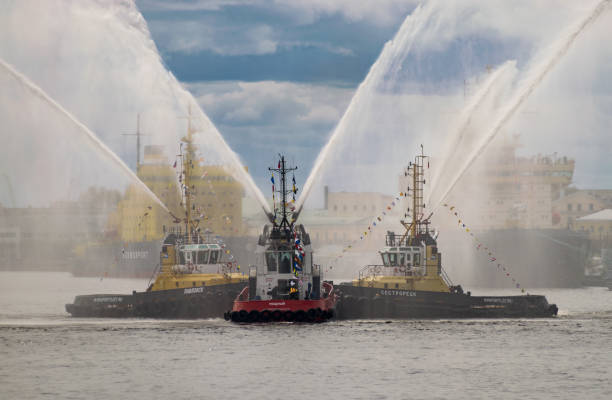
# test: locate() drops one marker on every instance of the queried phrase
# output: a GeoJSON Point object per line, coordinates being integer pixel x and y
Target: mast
{"type": "Point", "coordinates": [138, 134]}
{"type": "Point", "coordinates": [418, 225]}
{"type": "Point", "coordinates": [137, 141]}
{"type": "Point", "coordinates": [187, 161]}
{"type": "Point", "coordinates": [282, 170]}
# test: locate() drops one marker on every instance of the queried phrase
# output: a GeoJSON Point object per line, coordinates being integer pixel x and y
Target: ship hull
{"type": "Point", "coordinates": [357, 302]}
{"type": "Point", "coordinates": [183, 303]}
{"type": "Point", "coordinates": [251, 311]}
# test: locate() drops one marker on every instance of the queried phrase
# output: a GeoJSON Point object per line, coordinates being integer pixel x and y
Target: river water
{"type": "Point", "coordinates": [46, 354]}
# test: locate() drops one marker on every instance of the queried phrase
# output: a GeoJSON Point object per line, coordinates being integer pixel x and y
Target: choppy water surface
{"type": "Point", "coordinates": [46, 354]}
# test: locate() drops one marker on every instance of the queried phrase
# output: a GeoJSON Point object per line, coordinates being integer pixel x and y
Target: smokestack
{"type": "Point", "coordinates": [325, 196]}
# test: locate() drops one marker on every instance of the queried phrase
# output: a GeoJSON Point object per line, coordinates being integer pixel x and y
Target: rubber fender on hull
{"type": "Point", "coordinates": [553, 309]}
{"type": "Point", "coordinates": [300, 316]}
{"type": "Point", "coordinates": [265, 316]}
{"type": "Point", "coordinates": [253, 316]}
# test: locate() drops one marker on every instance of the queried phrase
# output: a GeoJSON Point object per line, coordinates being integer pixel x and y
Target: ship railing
{"type": "Point", "coordinates": [243, 295]}
{"type": "Point", "coordinates": [328, 289]}
{"type": "Point", "coordinates": [157, 267]}
{"type": "Point", "coordinates": [393, 239]}
{"type": "Point", "coordinates": [374, 270]}
{"type": "Point", "coordinates": [445, 277]}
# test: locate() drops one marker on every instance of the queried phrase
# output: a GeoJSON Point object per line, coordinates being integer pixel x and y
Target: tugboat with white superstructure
{"type": "Point", "coordinates": [285, 285]}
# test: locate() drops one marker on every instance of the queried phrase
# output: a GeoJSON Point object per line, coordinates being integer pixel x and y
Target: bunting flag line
{"type": "Point", "coordinates": [372, 226]}
{"type": "Point", "coordinates": [490, 253]}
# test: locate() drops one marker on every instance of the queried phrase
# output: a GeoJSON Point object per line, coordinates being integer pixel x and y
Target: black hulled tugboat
{"type": "Point", "coordinates": [195, 278]}
{"type": "Point", "coordinates": [411, 283]}
{"type": "Point", "coordinates": [285, 285]}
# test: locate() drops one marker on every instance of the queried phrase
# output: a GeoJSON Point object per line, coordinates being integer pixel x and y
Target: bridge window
{"type": "Point", "coordinates": [393, 259]}
{"type": "Point", "coordinates": [181, 258]}
{"type": "Point", "coordinates": [401, 259]}
{"type": "Point", "coordinates": [214, 256]}
{"type": "Point", "coordinates": [202, 257]}
{"type": "Point", "coordinates": [385, 257]}
{"type": "Point", "coordinates": [285, 262]}
{"type": "Point", "coordinates": [272, 261]}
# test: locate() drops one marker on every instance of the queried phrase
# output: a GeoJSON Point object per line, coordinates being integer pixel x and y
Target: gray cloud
{"type": "Point", "coordinates": [192, 36]}
{"type": "Point", "coordinates": [260, 119]}
{"type": "Point", "coordinates": [267, 103]}
{"type": "Point", "coordinates": [379, 12]}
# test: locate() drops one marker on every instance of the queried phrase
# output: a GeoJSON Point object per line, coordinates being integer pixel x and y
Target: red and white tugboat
{"type": "Point", "coordinates": [285, 285]}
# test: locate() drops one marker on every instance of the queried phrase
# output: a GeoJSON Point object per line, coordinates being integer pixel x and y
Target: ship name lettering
{"type": "Point", "coordinates": [496, 300]}
{"type": "Point", "coordinates": [408, 293]}
{"type": "Point", "coordinates": [194, 290]}
{"type": "Point", "coordinates": [281, 303]}
{"type": "Point", "coordinates": [108, 299]}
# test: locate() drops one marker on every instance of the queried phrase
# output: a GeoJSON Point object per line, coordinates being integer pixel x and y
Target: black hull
{"type": "Point", "coordinates": [372, 303]}
{"type": "Point", "coordinates": [184, 303]}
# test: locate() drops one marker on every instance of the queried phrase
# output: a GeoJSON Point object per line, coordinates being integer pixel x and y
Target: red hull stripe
{"type": "Point", "coordinates": [284, 305]}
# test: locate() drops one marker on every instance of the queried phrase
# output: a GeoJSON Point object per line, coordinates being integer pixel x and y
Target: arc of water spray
{"type": "Point", "coordinates": [539, 72]}
{"type": "Point", "coordinates": [242, 174]}
{"type": "Point", "coordinates": [401, 43]}
{"type": "Point", "coordinates": [93, 139]}
{"type": "Point", "coordinates": [476, 102]}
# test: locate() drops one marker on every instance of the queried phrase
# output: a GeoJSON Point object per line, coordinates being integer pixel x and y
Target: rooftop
{"type": "Point", "coordinates": [603, 215]}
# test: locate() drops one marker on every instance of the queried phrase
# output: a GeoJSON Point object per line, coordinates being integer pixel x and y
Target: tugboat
{"type": "Point", "coordinates": [411, 283]}
{"type": "Point", "coordinates": [285, 285]}
{"type": "Point", "coordinates": [195, 279]}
